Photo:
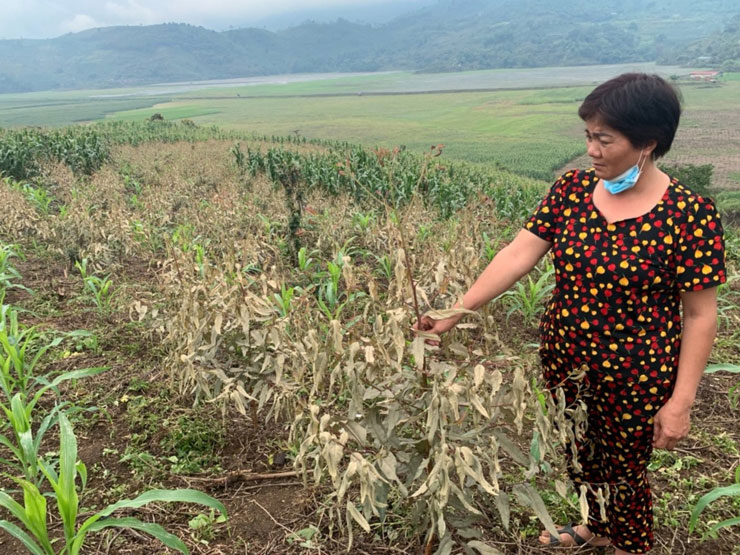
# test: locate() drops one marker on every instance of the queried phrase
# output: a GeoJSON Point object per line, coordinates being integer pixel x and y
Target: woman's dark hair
{"type": "Point", "coordinates": [642, 107]}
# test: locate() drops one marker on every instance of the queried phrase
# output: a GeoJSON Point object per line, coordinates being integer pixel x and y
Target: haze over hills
{"type": "Point", "coordinates": [375, 14]}
{"type": "Point", "coordinates": [448, 35]}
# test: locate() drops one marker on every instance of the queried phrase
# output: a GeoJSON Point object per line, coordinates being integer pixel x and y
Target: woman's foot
{"type": "Point", "coordinates": [573, 536]}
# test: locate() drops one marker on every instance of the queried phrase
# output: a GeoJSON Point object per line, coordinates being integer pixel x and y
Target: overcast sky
{"type": "Point", "coordinates": [50, 18]}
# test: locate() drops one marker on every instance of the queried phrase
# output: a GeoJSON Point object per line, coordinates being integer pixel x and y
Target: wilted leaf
{"type": "Point", "coordinates": [447, 313]}
{"type": "Point", "coordinates": [583, 504]}
{"type": "Point", "coordinates": [531, 498]}
{"type": "Point", "coordinates": [357, 516]}
{"type": "Point", "coordinates": [511, 448]}
{"type": "Point", "coordinates": [417, 350]}
{"type": "Point", "coordinates": [483, 548]}
{"type": "Point", "coordinates": [561, 488]}
{"type": "Point", "coordinates": [479, 373]}
{"type": "Point", "coordinates": [502, 504]}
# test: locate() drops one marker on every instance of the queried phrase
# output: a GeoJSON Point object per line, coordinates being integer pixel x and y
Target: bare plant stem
{"type": "Point", "coordinates": [404, 246]}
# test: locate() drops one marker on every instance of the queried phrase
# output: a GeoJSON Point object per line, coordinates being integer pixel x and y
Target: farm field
{"type": "Point", "coordinates": [533, 131]}
{"type": "Point", "coordinates": [250, 299]}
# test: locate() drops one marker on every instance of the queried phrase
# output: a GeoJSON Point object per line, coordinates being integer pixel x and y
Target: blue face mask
{"type": "Point", "coordinates": [625, 181]}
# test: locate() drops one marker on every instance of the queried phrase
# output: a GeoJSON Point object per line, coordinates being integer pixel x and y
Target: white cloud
{"type": "Point", "coordinates": [131, 12]}
{"type": "Point", "coordinates": [78, 23]}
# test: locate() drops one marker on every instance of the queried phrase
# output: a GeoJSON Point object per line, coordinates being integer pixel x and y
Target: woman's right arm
{"type": "Point", "coordinates": [511, 263]}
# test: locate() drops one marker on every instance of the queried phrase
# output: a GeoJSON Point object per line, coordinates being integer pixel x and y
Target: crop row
{"type": "Point", "coordinates": [39, 475]}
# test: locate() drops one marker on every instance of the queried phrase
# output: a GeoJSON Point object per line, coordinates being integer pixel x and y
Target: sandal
{"type": "Point", "coordinates": [570, 531]}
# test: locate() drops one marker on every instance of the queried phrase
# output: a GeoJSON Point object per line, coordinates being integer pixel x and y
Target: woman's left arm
{"type": "Point", "coordinates": [672, 422]}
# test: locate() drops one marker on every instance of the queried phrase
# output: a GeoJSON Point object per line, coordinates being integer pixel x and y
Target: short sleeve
{"type": "Point", "coordinates": [700, 248]}
{"type": "Point", "coordinates": [543, 222]}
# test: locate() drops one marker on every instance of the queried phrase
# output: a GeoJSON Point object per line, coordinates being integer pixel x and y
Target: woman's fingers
{"type": "Point", "coordinates": [424, 324]}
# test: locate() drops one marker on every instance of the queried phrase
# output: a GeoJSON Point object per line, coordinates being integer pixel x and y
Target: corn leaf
{"type": "Point", "coordinates": [35, 509]}
{"type": "Point", "coordinates": [708, 498]}
{"type": "Point", "coordinates": [19, 534]}
{"type": "Point", "coordinates": [64, 483]}
{"type": "Point", "coordinates": [156, 495]}
{"type": "Point", "coordinates": [154, 530]}
{"type": "Point", "coordinates": [726, 523]}
{"type": "Point", "coordinates": [712, 368]}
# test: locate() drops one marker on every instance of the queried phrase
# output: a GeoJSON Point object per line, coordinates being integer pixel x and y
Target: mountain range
{"type": "Point", "coordinates": [448, 35]}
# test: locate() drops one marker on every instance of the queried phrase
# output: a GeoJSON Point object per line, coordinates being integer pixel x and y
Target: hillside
{"type": "Point", "coordinates": [449, 35]}
{"type": "Point", "coordinates": [720, 50]}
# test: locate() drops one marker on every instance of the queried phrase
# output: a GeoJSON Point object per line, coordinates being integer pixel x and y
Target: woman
{"type": "Point", "coordinates": [633, 250]}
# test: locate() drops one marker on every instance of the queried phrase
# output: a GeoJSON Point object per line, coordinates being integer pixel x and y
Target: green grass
{"type": "Point", "coordinates": [487, 127]}
{"type": "Point", "coordinates": [57, 111]}
{"type": "Point", "coordinates": [169, 111]}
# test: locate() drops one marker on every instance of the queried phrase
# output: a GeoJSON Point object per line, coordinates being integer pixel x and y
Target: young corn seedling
{"type": "Point", "coordinates": [709, 498]}
{"type": "Point", "coordinates": [98, 288]}
{"type": "Point", "coordinates": [733, 393]}
{"type": "Point", "coordinates": [491, 248]}
{"type": "Point", "coordinates": [329, 299]}
{"type": "Point", "coordinates": [529, 296]}
{"type": "Point", "coordinates": [20, 354]}
{"type": "Point", "coordinates": [33, 515]}
{"type": "Point", "coordinates": [100, 292]}
{"type": "Point", "coordinates": [305, 260]}
{"type": "Point", "coordinates": [385, 266]}
{"type": "Point", "coordinates": [39, 198]}
{"type": "Point", "coordinates": [283, 299]}
{"type": "Point", "coordinates": [9, 275]}
{"type": "Point", "coordinates": [362, 222]}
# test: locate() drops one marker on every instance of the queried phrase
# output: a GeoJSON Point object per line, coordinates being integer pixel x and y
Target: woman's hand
{"type": "Point", "coordinates": [437, 327]}
{"type": "Point", "coordinates": [671, 424]}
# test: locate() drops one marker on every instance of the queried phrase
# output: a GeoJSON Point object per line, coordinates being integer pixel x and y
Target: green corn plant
{"type": "Point", "coordinates": [33, 515]}
{"type": "Point", "coordinates": [39, 197]}
{"type": "Point", "coordinates": [239, 157]}
{"type": "Point", "coordinates": [81, 266]}
{"type": "Point", "coordinates": [305, 260]}
{"type": "Point", "coordinates": [361, 221]}
{"type": "Point", "coordinates": [708, 498]}
{"type": "Point", "coordinates": [733, 394]}
{"type": "Point", "coordinates": [9, 275]}
{"type": "Point", "coordinates": [20, 354]}
{"type": "Point", "coordinates": [98, 288]}
{"type": "Point", "coordinates": [100, 292]}
{"type": "Point", "coordinates": [24, 445]}
{"type": "Point", "coordinates": [489, 246]}
{"type": "Point", "coordinates": [422, 234]}
{"type": "Point", "coordinates": [21, 351]}
{"type": "Point", "coordinates": [267, 224]}
{"type": "Point", "coordinates": [329, 299]}
{"type": "Point", "coordinates": [385, 266]}
{"type": "Point", "coordinates": [727, 302]}
{"type": "Point", "coordinates": [283, 300]}
{"type": "Point", "coordinates": [528, 296]}
{"type": "Point", "coordinates": [335, 274]}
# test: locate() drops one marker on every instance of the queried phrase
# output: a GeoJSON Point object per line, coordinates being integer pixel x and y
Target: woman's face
{"type": "Point", "coordinates": [611, 152]}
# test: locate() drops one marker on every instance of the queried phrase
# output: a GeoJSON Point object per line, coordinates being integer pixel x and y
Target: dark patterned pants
{"type": "Point", "coordinates": [616, 450]}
